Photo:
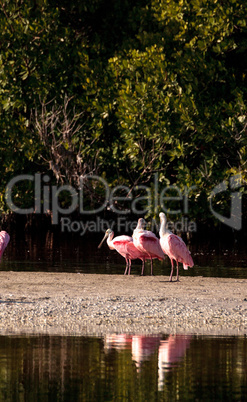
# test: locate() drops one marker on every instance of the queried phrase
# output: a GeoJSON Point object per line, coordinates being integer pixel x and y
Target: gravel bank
{"type": "Point", "coordinates": [86, 304]}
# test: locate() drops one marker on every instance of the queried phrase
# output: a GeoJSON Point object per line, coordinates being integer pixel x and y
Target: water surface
{"type": "Point", "coordinates": [120, 367]}
{"type": "Point", "coordinates": [52, 253]}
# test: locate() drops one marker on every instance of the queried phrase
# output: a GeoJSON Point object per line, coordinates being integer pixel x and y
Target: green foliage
{"type": "Point", "coordinates": [181, 98]}
{"type": "Point", "coordinates": [158, 86]}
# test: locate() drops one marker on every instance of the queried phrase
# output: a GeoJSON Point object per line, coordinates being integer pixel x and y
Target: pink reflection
{"type": "Point", "coordinates": [118, 341]}
{"type": "Point", "coordinates": [143, 347]}
{"type": "Point", "coordinates": [169, 351]}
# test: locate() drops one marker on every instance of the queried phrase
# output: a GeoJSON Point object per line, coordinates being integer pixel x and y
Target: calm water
{"type": "Point", "coordinates": [123, 368]}
{"type": "Point", "coordinates": [120, 367]}
{"type": "Point", "coordinates": [50, 253]}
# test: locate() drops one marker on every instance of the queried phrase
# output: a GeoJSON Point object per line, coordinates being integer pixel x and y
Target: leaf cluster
{"type": "Point", "coordinates": [155, 86]}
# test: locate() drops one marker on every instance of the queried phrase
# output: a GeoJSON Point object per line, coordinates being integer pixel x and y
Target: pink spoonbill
{"type": "Point", "coordinates": [4, 239]}
{"type": "Point", "coordinates": [124, 246]}
{"type": "Point", "coordinates": [174, 247]}
{"type": "Point", "coordinates": [147, 243]}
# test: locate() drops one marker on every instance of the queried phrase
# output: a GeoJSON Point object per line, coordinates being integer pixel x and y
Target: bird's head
{"type": "Point", "coordinates": [108, 233]}
{"type": "Point", "coordinates": [141, 223]}
{"type": "Point", "coordinates": [162, 216]}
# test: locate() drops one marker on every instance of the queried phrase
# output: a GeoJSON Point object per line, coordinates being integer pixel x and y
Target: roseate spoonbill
{"type": "Point", "coordinates": [171, 351]}
{"type": "Point", "coordinates": [4, 239]}
{"type": "Point", "coordinates": [147, 243]}
{"type": "Point", "coordinates": [174, 247]}
{"type": "Point", "coordinates": [123, 245]}
{"type": "Point", "coordinates": [143, 347]}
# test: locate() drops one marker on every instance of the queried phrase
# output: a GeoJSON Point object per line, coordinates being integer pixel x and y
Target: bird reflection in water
{"type": "Point", "coordinates": [170, 351]}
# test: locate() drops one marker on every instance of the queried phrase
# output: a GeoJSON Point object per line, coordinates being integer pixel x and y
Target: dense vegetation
{"type": "Point", "coordinates": [124, 90]}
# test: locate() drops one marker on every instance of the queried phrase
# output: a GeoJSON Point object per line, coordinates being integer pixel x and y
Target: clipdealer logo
{"type": "Point", "coordinates": [235, 219]}
{"type": "Point", "coordinates": [46, 198]}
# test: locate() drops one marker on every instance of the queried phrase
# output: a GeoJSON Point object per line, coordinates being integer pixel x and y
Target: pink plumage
{"type": "Point", "coordinates": [4, 239]}
{"type": "Point", "coordinates": [147, 243]}
{"type": "Point", "coordinates": [174, 247]}
{"type": "Point", "coordinates": [124, 246]}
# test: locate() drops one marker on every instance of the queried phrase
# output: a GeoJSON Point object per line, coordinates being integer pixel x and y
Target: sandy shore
{"type": "Point", "coordinates": [83, 304]}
